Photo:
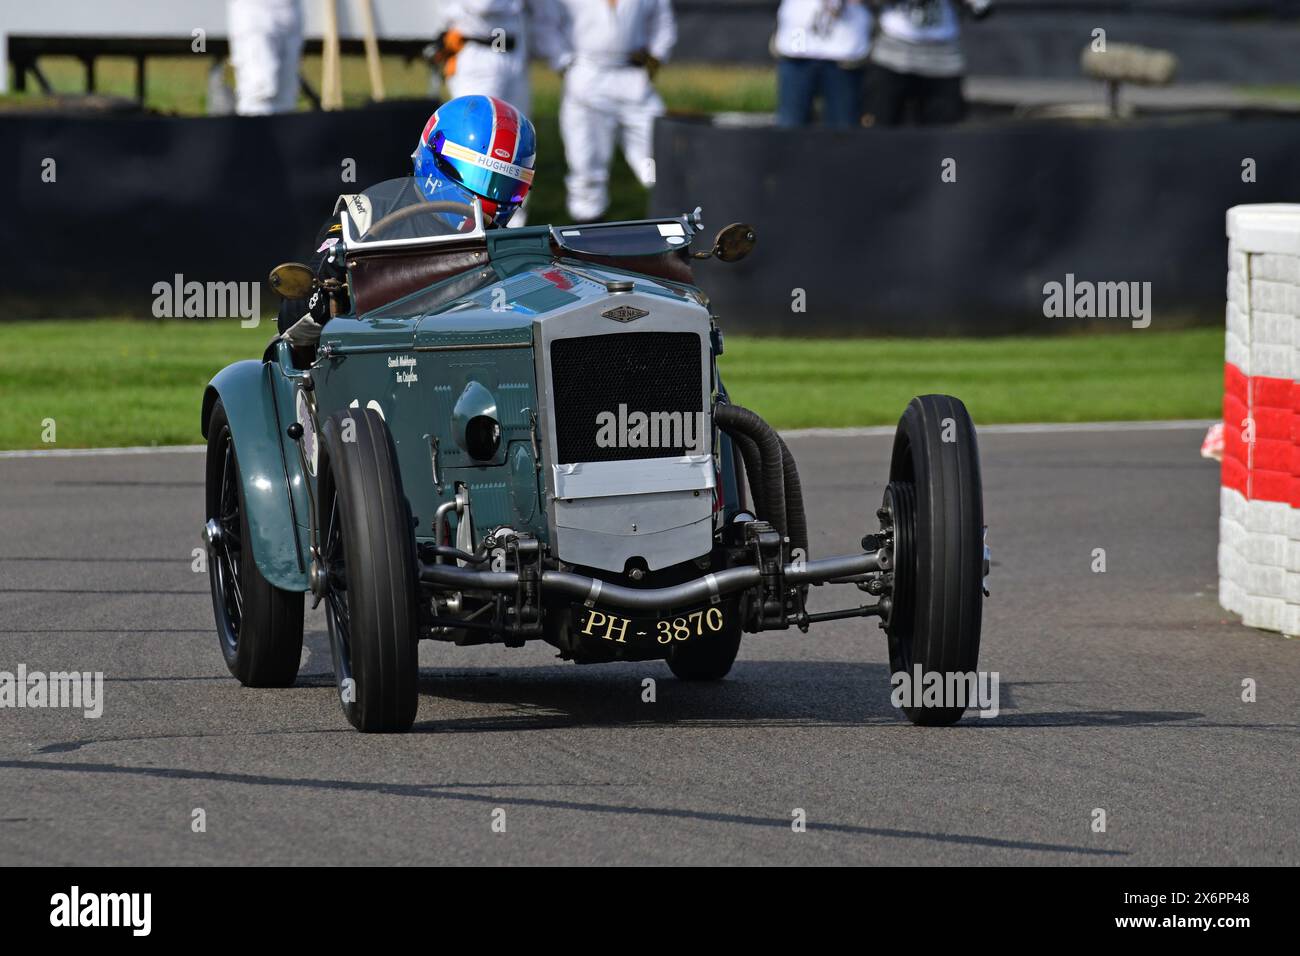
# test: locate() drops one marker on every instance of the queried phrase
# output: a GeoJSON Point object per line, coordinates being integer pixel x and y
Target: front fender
{"type": "Point", "coordinates": [259, 404]}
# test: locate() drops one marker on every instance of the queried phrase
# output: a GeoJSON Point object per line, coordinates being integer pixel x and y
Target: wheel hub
{"type": "Point", "coordinates": [898, 525]}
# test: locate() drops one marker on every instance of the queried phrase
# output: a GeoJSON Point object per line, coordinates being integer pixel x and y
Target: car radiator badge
{"type": "Point", "coordinates": [624, 313]}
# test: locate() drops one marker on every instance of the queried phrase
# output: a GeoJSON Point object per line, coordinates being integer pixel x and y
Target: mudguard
{"type": "Point", "coordinates": [259, 404]}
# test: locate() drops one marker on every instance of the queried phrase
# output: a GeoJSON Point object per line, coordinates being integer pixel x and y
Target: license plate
{"type": "Point", "coordinates": [597, 625]}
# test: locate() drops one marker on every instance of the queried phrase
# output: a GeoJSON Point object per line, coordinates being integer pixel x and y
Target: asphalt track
{"type": "Point", "coordinates": [1120, 691]}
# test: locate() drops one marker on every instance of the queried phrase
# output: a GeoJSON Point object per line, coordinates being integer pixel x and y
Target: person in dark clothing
{"type": "Point", "coordinates": [916, 63]}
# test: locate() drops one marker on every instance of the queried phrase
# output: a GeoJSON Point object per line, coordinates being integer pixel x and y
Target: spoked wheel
{"type": "Point", "coordinates": [368, 552]}
{"type": "Point", "coordinates": [337, 620]}
{"type": "Point", "coordinates": [259, 625]}
{"type": "Point", "coordinates": [933, 512]}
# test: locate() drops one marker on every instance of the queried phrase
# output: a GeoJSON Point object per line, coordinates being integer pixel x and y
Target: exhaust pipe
{"type": "Point", "coordinates": [593, 591]}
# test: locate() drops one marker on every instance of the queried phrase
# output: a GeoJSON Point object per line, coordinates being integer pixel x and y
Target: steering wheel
{"type": "Point", "coordinates": [429, 206]}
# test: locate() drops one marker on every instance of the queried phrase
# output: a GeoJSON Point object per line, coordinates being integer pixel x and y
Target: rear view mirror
{"type": "Point", "coordinates": [734, 242]}
{"type": "Point", "coordinates": [292, 280]}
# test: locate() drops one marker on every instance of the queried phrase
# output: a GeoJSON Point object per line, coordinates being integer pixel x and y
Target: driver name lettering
{"type": "Point", "coordinates": [490, 163]}
{"type": "Point", "coordinates": [405, 366]}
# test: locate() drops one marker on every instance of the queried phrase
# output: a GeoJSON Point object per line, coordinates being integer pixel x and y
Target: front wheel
{"type": "Point", "coordinates": [368, 556]}
{"type": "Point", "coordinates": [934, 513]}
{"type": "Point", "coordinates": [259, 625]}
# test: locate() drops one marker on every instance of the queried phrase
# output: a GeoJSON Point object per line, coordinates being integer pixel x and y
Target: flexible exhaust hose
{"type": "Point", "coordinates": [745, 427]}
{"type": "Point", "coordinates": [737, 420]}
{"type": "Point", "coordinates": [753, 470]}
{"type": "Point", "coordinates": [794, 500]}
{"type": "Point", "coordinates": [795, 514]}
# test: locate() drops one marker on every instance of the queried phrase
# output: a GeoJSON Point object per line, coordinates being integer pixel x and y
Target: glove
{"type": "Point", "coordinates": [318, 306]}
{"type": "Point", "coordinates": [305, 332]}
{"type": "Point", "coordinates": [643, 58]}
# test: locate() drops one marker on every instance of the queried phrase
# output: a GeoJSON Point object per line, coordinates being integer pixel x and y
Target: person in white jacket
{"type": "Point", "coordinates": [265, 50]}
{"type": "Point", "coordinates": [487, 50]}
{"type": "Point", "coordinates": [609, 51]}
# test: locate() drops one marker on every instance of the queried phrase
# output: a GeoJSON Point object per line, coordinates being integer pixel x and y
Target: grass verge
{"type": "Point", "coordinates": [113, 383]}
{"type": "Point", "coordinates": [1124, 376]}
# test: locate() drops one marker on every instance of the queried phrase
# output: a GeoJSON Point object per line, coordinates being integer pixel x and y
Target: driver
{"type": "Point", "coordinates": [472, 146]}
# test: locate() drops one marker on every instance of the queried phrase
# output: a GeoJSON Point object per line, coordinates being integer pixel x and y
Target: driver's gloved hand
{"type": "Point", "coordinates": [304, 333]}
{"type": "Point", "coordinates": [318, 306]}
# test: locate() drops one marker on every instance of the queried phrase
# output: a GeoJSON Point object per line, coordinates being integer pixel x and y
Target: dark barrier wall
{"type": "Point", "coordinates": [862, 222]}
{"type": "Point", "coordinates": [138, 199]}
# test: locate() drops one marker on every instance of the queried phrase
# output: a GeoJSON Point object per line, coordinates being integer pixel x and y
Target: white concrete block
{"type": "Point", "coordinates": [1267, 550]}
{"type": "Point", "coordinates": [1273, 361]}
{"type": "Point", "coordinates": [1266, 517]}
{"type": "Point", "coordinates": [1273, 227]}
{"type": "Point", "coordinates": [1291, 621]}
{"type": "Point", "coordinates": [1231, 597]}
{"type": "Point", "coordinates": [1273, 326]}
{"type": "Point", "coordinates": [1232, 506]}
{"type": "Point", "coordinates": [1265, 613]}
{"type": "Point", "coordinates": [1263, 581]}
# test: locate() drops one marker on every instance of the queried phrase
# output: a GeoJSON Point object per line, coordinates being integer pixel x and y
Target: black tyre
{"type": "Point", "coordinates": [259, 625]}
{"type": "Point", "coordinates": [368, 550]}
{"type": "Point", "coordinates": [934, 505]}
{"type": "Point", "coordinates": [706, 657]}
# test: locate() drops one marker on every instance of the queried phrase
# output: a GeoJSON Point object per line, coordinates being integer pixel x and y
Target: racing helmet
{"type": "Point", "coordinates": [480, 145]}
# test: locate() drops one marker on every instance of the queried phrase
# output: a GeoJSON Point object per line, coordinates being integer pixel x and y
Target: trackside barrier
{"type": "Point", "coordinates": [906, 253]}
{"type": "Point", "coordinates": [1259, 498]}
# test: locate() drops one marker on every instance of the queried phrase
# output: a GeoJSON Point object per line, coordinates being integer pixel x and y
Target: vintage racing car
{"type": "Point", "coordinates": [513, 435]}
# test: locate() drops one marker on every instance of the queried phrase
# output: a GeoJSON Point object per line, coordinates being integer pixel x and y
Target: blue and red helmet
{"type": "Point", "coordinates": [481, 145]}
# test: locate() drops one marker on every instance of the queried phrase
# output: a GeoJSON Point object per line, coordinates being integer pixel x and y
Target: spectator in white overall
{"type": "Point", "coordinates": [821, 47]}
{"type": "Point", "coordinates": [265, 50]}
{"type": "Point", "coordinates": [485, 53]}
{"type": "Point", "coordinates": [917, 62]}
{"type": "Point", "coordinates": [609, 51]}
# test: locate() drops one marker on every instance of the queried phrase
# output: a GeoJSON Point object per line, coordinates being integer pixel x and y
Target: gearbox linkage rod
{"type": "Point", "coordinates": [866, 610]}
